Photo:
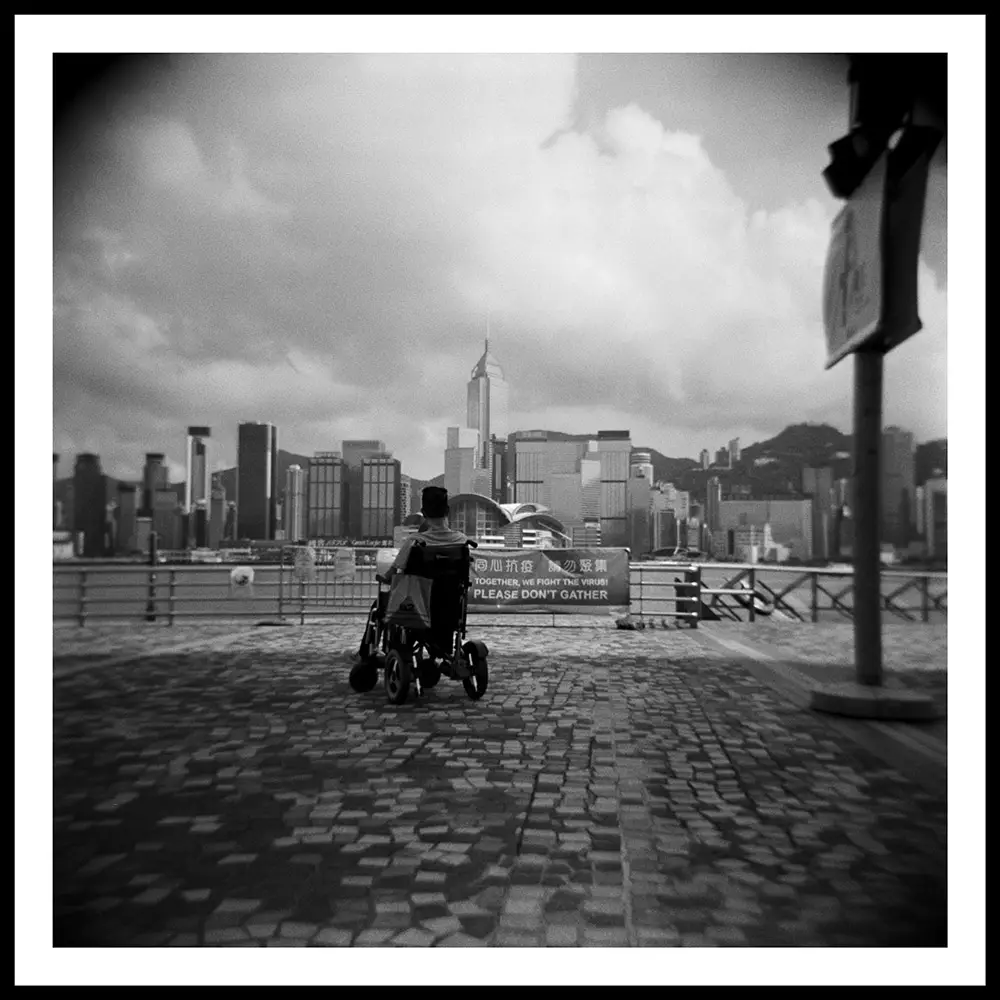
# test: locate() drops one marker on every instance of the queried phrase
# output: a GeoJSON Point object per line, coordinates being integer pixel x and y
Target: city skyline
{"type": "Point", "coordinates": [641, 254]}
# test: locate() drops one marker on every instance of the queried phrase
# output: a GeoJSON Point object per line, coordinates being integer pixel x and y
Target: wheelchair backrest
{"type": "Point", "coordinates": [439, 562]}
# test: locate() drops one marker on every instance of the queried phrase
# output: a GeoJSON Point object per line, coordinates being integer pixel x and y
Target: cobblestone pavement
{"type": "Point", "coordinates": [611, 788]}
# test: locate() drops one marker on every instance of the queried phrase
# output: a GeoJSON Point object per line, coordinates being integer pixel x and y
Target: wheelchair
{"type": "Point", "coordinates": [421, 657]}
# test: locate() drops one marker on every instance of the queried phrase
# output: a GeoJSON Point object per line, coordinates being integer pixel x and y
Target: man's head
{"type": "Point", "coordinates": [434, 502]}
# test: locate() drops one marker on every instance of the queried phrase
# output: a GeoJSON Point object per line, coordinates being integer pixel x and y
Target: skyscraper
{"type": "Point", "coordinates": [936, 518]}
{"type": "Point", "coordinates": [705, 458]}
{"type": "Point", "coordinates": [154, 477]}
{"type": "Point", "coordinates": [257, 480]}
{"type": "Point", "coordinates": [487, 405]}
{"type": "Point", "coordinates": [614, 449]}
{"type": "Point", "coordinates": [380, 499]}
{"type": "Point", "coordinates": [217, 516]}
{"type": "Point", "coordinates": [898, 487]}
{"type": "Point", "coordinates": [460, 456]}
{"type": "Point", "coordinates": [326, 509]}
{"type": "Point", "coordinates": [89, 504]}
{"type": "Point", "coordinates": [128, 510]}
{"type": "Point", "coordinates": [734, 451]}
{"type": "Point", "coordinates": [712, 501]}
{"type": "Point", "coordinates": [354, 453]}
{"type": "Point", "coordinates": [196, 484]}
{"type": "Point", "coordinates": [818, 484]}
{"type": "Point", "coordinates": [294, 503]}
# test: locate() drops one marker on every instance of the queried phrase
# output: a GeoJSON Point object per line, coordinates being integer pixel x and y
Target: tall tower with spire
{"type": "Point", "coordinates": [487, 403]}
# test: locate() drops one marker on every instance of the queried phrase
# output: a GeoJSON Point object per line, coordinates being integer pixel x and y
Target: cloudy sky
{"type": "Point", "coordinates": [316, 241]}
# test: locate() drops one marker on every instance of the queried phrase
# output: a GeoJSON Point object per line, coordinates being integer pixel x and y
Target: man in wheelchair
{"type": "Point", "coordinates": [419, 617]}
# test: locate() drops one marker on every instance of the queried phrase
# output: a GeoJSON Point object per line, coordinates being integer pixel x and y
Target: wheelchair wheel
{"type": "Point", "coordinates": [364, 676]}
{"type": "Point", "coordinates": [396, 676]}
{"type": "Point", "coordinates": [475, 686]}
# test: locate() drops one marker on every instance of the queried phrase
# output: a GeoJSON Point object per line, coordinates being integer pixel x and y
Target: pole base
{"type": "Point", "coordinates": [859, 701]}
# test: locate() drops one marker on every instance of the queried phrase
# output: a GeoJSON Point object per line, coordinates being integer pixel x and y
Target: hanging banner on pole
{"type": "Point", "coordinates": [343, 565]}
{"type": "Point", "coordinates": [852, 293]}
{"type": "Point", "coordinates": [561, 580]}
{"type": "Point", "coordinates": [305, 564]}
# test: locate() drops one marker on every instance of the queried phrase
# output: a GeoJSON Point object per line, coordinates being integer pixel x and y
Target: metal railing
{"type": "Point", "coordinates": [685, 592]}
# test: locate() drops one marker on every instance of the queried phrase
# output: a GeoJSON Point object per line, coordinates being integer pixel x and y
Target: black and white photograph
{"type": "Point", "coordinates": [500, 499]}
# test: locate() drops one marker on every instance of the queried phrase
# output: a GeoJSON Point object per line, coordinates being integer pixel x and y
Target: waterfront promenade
{"type": "Point", "coordinates": [219, 784]}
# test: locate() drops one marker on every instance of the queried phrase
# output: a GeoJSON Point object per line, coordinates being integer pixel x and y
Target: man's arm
{"type": "Point", "coordinates": [400, 561]}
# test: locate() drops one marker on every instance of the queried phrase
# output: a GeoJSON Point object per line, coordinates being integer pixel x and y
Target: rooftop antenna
{"type": "Point", "coordinates": [488, 329]}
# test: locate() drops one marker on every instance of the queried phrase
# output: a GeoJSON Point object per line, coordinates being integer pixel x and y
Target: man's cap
{"type": "Point", "coordinates": [434, 501]}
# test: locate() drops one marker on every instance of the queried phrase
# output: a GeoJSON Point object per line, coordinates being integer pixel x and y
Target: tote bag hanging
{"type": "Point", "coordinates": [409, 602]}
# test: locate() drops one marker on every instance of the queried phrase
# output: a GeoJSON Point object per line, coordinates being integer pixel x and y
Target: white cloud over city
{"type": "Point", "coordinates": [316, 241]}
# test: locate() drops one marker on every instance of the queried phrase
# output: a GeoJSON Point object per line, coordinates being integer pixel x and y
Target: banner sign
{"type": "Point", "coordinates": [852, 294]}
{"type": "Point", "coordinates": [549, 579]}
{"type": "Point", "coordinates": [305, 564]}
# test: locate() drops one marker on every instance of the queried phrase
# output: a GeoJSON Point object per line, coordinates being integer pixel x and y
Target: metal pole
{"type": "Point", "coordinates": [867, 563]}
{"type": "Point", "coordinates": [151, 596]}
{"type": "Point", "coordinates": [83, 597]}
{"type": "Point", "coordinates": [753, 594]}
{"type": "Point", "coordinates": [815, 597]}
{"type": "Point", "coordinates": [925, 599]}
{"type": "Point", "coordinates": [281, 583]}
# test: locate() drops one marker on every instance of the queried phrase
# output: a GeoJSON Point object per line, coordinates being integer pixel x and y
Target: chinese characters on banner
{"type": "Point", "coordinates": [549, 579]}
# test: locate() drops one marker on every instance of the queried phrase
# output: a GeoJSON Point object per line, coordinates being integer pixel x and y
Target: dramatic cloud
{"type": "Point", "coordinates": [316, 241]}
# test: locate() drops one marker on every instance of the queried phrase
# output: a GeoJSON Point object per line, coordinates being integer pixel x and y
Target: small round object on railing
{"type": "Point", "coordinates": [241, 578]}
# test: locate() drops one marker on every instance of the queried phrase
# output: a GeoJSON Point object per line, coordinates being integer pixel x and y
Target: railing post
{"type": "Point", "coordinates": [641, 581]}
{"type": "Point", "coordinates": [925, 599]}
{"type": "Point", "coordinates": [83, 597]}
{"type": "Point", "coordinates": [170, 597]}
{"type": "Point", "coordinates": [752, 576]}
{"type": "Point", "coordinates": [302, 602]}
{"type": "Point", "coordinates": [281, 583]}
{"type": "Point", "coordinates": [697, 597]}
{"type": "Point", "coordinates": [815, 597]}
{"type": "Point", "coordinates": [151, 593]}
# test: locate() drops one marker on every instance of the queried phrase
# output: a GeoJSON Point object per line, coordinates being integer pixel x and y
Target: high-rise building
{"type": "Point", "coordinates": [326, 509]}
{"type": "Point", "coordinates": [614, 449]}
{"type": "Point", "coordinates": [57, 511]}
{"type": "Point", "coordinates": [166, 522]}
{"type": "Point", "coordinates": [641, 464]}
{"type": "Point", "coordinates": [380, 496]}
{"type": "Point", "coordinates": [405, 491]}
{"type": "Point", "coordinates": [294, 507]}
{"type": "Point", "coordinates": [89, 502]}
{"type": "Point", "coordinates": [936, 518]}
{"type": "Point", "coordinates": [217, 517]}
{"type": "Point", "coordinates": [257, 481]}
{"type": "Point", "coordinates": [590, 484]}
{"type": "Point", "coordinates": [154, 477]}
{"type": "Point", "coordinates": [818, 485]}
{"type": "Point", "coordinates": [639, 504]}
{"type": "Point", "coordinates": [229, 531]}
{"type": "Point", "coordinates": [460, 457]}
{"type": "Point", "coordinates": [197, 523]}
{"type": "Point", "coordinates": [705, 458]}
{"type": "Point", "coordinates": [898, 487]}
{"type": "Point", "coordinates": [790, 521]}
{"type": "Point", "coordinates": [354, 453]}
{"type": "Point", "coordinates": [712, 500]}
{"type": "Point", "coordinates": [128, 512]}
{"type": "Point", "coordinates": [734, 451]}
{"type": "Point", "coordinates": [196, 485]}
{"type": "Point", "coordinates": [487, 401]}
{"type": "Point", "coordinates": [502, 484]}
{"type": "Point", "coordinates": [722, 458]}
